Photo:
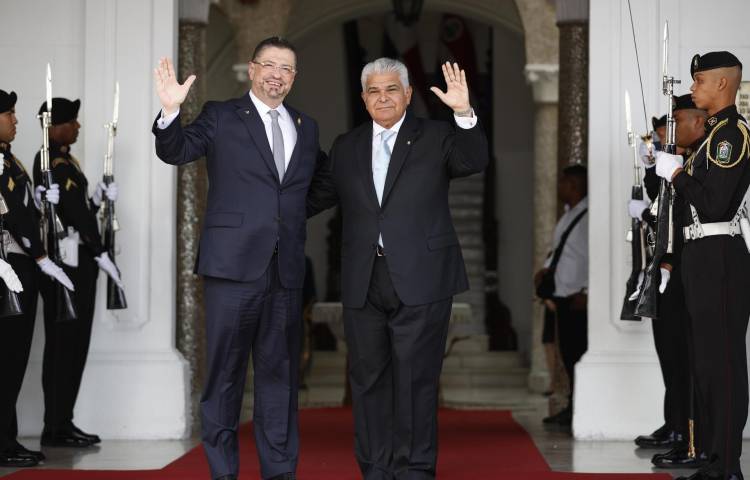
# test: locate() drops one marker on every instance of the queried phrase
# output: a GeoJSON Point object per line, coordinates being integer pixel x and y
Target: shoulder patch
{"type": "Point", "coordinates": [59, 161]}
{"type": "Point", "coordinates": [723, 152]}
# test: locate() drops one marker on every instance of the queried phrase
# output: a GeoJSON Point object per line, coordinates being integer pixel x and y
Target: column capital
{"type": "Point", "coordinates": [543, 78]}
{"type": "Point", "coordinates": [572, 11]}
{"type": "Point", "coordinates": [194, 10]}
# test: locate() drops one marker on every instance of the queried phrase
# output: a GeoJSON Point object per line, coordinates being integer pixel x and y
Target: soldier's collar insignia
{"type": "Point", "coordinates": [3, 146]}
{"type": "Point", "coordinates": [723, 152]}
{"type": "Point", "coordinates": [64, 149]}
{"type": "Point", "coordinates": [712, 121]}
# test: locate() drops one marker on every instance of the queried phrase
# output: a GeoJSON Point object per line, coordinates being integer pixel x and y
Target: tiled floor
{"type": "Point", "coordinates": [560, 451]}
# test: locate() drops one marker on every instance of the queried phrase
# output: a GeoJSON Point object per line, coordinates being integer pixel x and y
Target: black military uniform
{"type": "Point", "coordinates": [23, 246]}
{"type": "Point", "coordinates": [716, 273]}
{"type": "Point", "coordinates": [672, 338]}
{"type": "Point", "coordinates": [67, 343]}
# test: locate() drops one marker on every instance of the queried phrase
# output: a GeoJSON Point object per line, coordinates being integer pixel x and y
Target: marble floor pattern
{"type": "Point", "coordinates": [559, 449]}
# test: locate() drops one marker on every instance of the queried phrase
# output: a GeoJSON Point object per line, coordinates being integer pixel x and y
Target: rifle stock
{"type": "Point", "coordinates": [10, 304]}
{"type": "Point", "coordinates": [638, 254]}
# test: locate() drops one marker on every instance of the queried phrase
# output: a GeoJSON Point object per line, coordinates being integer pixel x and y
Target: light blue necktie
{"type": "Point", "coordinates": [380, 168]}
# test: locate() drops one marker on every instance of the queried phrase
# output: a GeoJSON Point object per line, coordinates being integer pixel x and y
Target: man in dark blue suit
{"type": "Point", "coordinates": [401, 262]}
{"type": "Point", "coordinates": [261, 156]}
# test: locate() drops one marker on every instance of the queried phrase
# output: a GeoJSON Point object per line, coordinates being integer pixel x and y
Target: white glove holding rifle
{"type": "Point", "coordinates": [106, 264]}
{"type": "Point", "coordinates": [53, 270]}
{"type": "Point", "coordinates": [102, 191]}
{"type": "Point", "coordinates": [52, 195]}
{"type": "Point", "coordinates": [9, 277]}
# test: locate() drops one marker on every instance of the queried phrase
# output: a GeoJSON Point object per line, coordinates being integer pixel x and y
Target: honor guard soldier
{"type": "Point", "coordinates": [67, 343]}
{"type": "Point", "coordinates": [24, 251]}
{"type": "Point", "coordinates": [672, 331]}
{"type": "Point", "coordinates": [712, 187]}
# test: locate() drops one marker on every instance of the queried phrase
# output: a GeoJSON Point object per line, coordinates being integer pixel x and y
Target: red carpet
{"type": "Point", "coordinates": [473, 444]}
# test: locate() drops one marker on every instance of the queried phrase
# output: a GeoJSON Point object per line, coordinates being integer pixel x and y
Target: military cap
{"type": "Point", "coordinates": [712, 60]}
{"type": "Point", "coordinates": [7, 100]}
{"type": "Point", "coordinates": [659, 122]}
{"type": "Point", "coordinates": [684, 102]}
{"type": "Point", "coordinates": [63, 110]}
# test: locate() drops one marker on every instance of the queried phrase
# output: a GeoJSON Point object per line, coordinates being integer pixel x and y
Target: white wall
{"type": "Point", "coordinates": [135, 384]}
{"type": "Point", "coordinates": [619, 389]}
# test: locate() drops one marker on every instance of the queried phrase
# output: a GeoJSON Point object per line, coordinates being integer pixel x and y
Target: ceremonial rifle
{"type": "Point", "coordinates": [51, 228]}
{"type": "Point", "coordinates": [109, 224]}
{"type": "Point", "coordinates": [10, 305]}
{"type": "Point", "coordinates": [648, 300]}
{"type": "Point", "coordinates": [637, 234]}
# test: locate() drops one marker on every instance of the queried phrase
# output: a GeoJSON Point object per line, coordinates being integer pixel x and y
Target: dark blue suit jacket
{"type": "Point", "coordinates": [248, 211]}
{"type": "Point", "coordinates": [422, 250]}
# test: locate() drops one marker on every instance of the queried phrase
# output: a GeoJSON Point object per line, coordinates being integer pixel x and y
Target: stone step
{"type": "Point", "coordinates": [463, 378]}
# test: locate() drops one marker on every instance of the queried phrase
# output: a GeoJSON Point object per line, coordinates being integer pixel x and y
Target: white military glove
{"type": "Point", "coordinates": [52, 195]}
{"type": "Point", "coordinates": [2, 163]}
{"type": "Point", "coordinates": [9, 276]}
{"type": "Point", "coordinates": [109, 268]}
{"type": "Point", "coordinates": [646, 155]}
{"type": "Point", "coordinates": [665, 275]}
{"type": "Point", "coordinates": [667, 164]}
{"type": "Point", "coordinates": [103, 190]}
{"type": "Point", "coordinates": [636, 208]}
{"type": "Point", "coordinates": [53, 270]}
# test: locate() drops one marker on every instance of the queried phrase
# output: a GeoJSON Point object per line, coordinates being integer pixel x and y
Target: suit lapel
{"type": "Point", "coordinates": [295, 158]}
{"type": "Point", "coordinates": [408, 132]}
{"type": "Point", "coordinates": [249, 115]}
{"type": "Point", "coordinates": [364, 159]}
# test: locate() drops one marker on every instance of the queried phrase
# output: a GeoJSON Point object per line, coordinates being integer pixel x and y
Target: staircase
{"type": "Point", "coordinates": [465, 200]}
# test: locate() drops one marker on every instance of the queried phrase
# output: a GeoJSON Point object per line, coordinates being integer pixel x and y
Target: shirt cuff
{"type": "Point", "coordinates": [163, 122]}
{"type": "Point", "coordinates": [466, 122]}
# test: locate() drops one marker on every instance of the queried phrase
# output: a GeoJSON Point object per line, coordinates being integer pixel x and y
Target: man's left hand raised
{"type": "Point", "coordinates": [457, 94]}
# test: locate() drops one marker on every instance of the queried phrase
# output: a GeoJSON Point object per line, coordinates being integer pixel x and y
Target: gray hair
{"type": "Point", "coordinates": [385, 65]}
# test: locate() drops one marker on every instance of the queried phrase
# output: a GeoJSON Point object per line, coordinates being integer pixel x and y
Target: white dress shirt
{"type": "Point", "coordinates": [572, 273]}
{"type": "Point", "coordinates": [286, 123]}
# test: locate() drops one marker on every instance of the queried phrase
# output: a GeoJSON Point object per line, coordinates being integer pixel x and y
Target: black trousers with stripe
{"type": "Point", "coordinates": [716, 275]}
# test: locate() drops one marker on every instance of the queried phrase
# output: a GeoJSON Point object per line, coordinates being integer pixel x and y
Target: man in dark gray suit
{"type": "Point", "coordinates": [401, 261]}
{"type": "Point", "coordinates": [261, 156]}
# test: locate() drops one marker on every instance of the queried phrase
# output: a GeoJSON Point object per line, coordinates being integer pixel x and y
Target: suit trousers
{"type": "Point", "coordinates": [572, 331]}
{"type": "Point", "coordinates": [671, 331]}
{"type": "Point", "coordinates": [15, 343]}
{"type": "Point", "coordinates": [66, 344]}
{"type": "Point", "coordinates": [716, 272]}
{"type": "Point", "coordinates": [264, 318]}
{"type": "Point", "coordinates": [395, 358]}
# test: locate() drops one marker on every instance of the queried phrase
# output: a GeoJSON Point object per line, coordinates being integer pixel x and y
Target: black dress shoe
{"type": "Point", "coordinates": [284, 476]}
{"type": "Point", "coordinates": [9, 458]}
{"type": "Point", "coordinates": [93, 438]}
{"type": "Point", "coordinates": [22, 451]}
{"type": "Point", "coordinates": [563, 418]}
{"type": "Point", "coordinates": [679, 458]}
{"type": "Point", "coordinates": [227, 477]}
{"type": "Point", "coordinates": [671, 440]}
{"type": "Point", "coordinates": [706, 475]}
{"type": "Point", "coordinates": [64, 438]}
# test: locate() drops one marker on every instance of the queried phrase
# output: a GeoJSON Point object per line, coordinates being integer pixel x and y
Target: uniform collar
{"type": "Point", "coordinates": [584, 203]}
{"type": "Point", "coordinates": [728, 112]}
{"type": "Point", "coordinates": [4, 147]}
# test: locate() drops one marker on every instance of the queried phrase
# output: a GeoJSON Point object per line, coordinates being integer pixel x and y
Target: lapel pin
{"type": "Point", "coordinates": [247, 112]}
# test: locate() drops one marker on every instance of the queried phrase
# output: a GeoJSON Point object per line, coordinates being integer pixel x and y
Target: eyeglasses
{"type": "Point", "coordinates": [270, 66]}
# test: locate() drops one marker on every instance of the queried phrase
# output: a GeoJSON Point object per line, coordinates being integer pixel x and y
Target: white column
{"type": "Point", "coordinates": [135, 384]}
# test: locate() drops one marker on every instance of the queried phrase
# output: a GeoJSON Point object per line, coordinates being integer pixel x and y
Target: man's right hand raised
{"type": "Point", "coordinates": [170, 92]}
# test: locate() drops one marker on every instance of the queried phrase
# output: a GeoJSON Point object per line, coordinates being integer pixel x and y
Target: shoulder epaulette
{"type": "Point", "coordinates": [60, 161]}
